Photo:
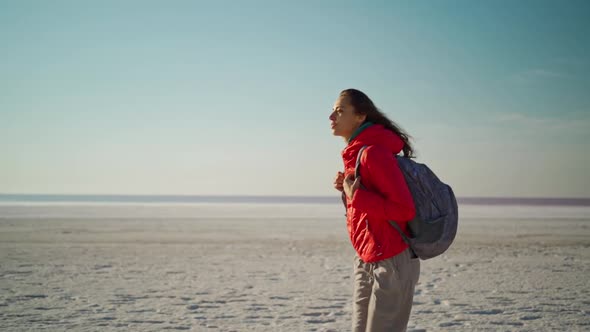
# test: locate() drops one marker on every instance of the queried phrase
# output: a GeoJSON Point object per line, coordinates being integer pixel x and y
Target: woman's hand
{"type": "Point", "coordinates": [351, 185]}
{"type": "Point", "coordinates": [338, 181]}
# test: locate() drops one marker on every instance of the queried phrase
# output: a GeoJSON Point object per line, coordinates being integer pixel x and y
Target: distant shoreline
{"type": "Point", "coordinates": [192, 199]}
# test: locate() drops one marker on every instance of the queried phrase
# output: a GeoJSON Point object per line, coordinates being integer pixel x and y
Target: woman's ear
{"type": "Point", "coordinates": [362, 118]}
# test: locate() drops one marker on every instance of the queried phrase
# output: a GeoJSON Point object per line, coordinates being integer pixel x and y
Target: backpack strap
{"type": "Point", "coordinates": [405, 237]}
{"type": "Point", "coordinates": [399, 230]}
{"type": "Point", "coordinates": [357, 167]}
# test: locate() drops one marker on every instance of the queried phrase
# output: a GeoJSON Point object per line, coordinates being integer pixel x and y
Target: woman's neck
{"type": "Point", "coordinates": [358, 130]}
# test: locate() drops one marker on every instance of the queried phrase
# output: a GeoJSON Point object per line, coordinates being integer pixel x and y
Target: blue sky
{"type": "Point", "coordinates": [230, 97]}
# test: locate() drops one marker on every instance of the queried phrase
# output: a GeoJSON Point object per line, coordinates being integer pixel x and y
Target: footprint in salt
{"type": "Point", "coordinates": [257, 307]}
{"type": "Point", "coordinates": [320, 321]}
{"type": "Point", "coordinates": [281, 298]}
{"type": "Point", "coordinates": [193, 307]}
{"type": "Point", "coordinates": [449, 324]}
{"type": "Point", "coordinates": [443, 302]}
{"type": "Point", "coordinates": [486, 312]}
{"type": "Point", "coordinates": [328, 307]}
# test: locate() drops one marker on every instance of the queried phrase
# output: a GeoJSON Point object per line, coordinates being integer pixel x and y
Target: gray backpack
{"type": "Point", "coordinates": [434, 228]}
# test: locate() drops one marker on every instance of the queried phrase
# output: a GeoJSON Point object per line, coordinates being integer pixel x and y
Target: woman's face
{"type": "Point", "coordinates": [343, 119]}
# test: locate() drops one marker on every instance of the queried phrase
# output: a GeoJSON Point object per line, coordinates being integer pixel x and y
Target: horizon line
{"type": "Point", "coordinates": [268, 195]}
{"type": "Point", "coordinates": [186, 198]}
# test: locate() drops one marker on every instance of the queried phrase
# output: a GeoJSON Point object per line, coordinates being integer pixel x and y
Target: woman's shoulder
{"type": "Point", "coordinates": [376, 153]}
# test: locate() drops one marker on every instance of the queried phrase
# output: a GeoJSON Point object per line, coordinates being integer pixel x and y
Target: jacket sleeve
{"type": "Point", "coordinates": [391, 198]}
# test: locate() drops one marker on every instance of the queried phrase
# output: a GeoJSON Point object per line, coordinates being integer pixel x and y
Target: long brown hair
{"type": "Point", "coordinates": [364, 105]}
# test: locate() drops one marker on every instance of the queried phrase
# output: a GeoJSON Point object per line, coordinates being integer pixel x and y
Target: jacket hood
{"type": "Point", "coordinates": [374, 134]}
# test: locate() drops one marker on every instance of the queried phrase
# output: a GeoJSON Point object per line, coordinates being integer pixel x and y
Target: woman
{"type": "Point", "coordinates": [385, 269]}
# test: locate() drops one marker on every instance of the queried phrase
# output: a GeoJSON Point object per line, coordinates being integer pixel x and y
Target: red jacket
{"type": "Point", "coordinates": [385, 195]}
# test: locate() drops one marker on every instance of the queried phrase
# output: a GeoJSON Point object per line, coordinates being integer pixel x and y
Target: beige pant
{"type": "Point", "coordinates": [383, 293]}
